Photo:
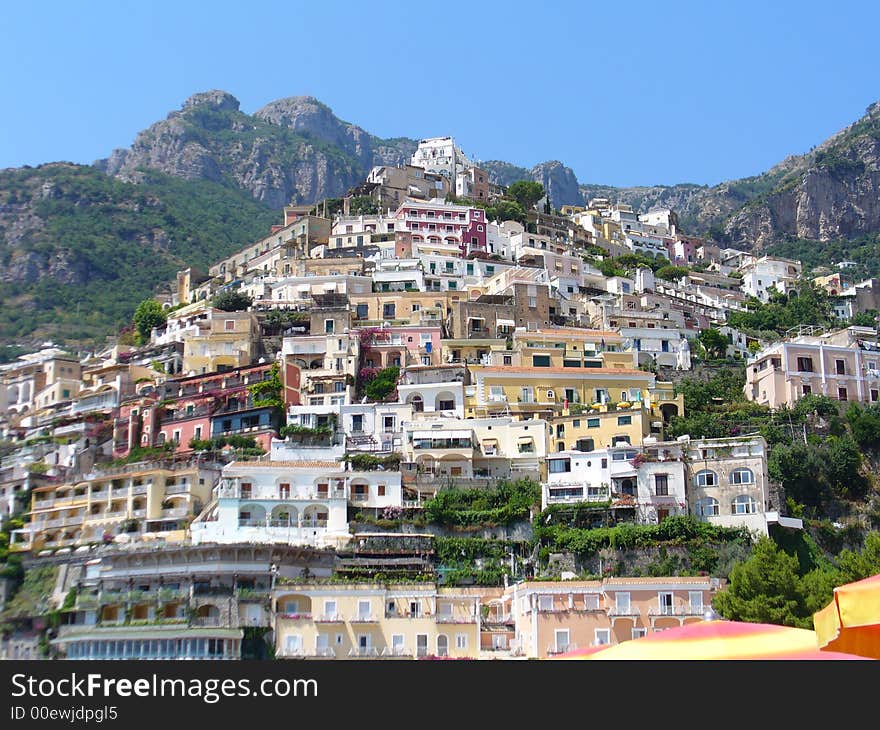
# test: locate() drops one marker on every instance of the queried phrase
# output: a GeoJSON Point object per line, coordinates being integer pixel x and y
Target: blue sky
{"type": "Point", "coordinates": [626, 94]}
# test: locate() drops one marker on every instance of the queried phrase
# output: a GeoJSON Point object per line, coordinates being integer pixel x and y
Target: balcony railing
{"type": "Point", "coordinates": [176, 489]}
{"type": "Point", "coordinates": [631, 612]}
{"type": "Point", "coordinates": [364, 618]}
{"type": "Point", "coordinates": [456, 619]}
{"type": "Point", "coordinates": [363, 652]}
{"type": "Point", "coordinates": [329, 618]}
{"type": "Point", "coordinates": [676, 610]}
{"type": "Point", "coordinates": [555, 649]}
{"type": "Point", "coordinates": [396, 651]}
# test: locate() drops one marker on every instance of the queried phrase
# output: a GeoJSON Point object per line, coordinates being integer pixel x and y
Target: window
{"type": "Point", "coordinates": [622, 603]}
{"type": "Point", "coordinates": [585, 445]}
{"type": "Point", "coordinates": [541, 361]}
{"type": "Point", "coordinates": [363, 610]}
{"type": "Point", "coordinates": [330, 609]}
{"type": "Point", "coordinates": [229, 325]}
{"type": "Point", "coordinates": [591, 602]}
{"type": "Point", "coordinates": [666, 603]}
{"type": "Point", "coordinates": [361, 311]}
{"type": "Point", "coordinates": [545, 603]}
{"type": "Point", "coordinates": [695, 601]}
{"type": "Point", "coordinates": [527, 395]}
{"type": "Point", "coordinates": [461, 641]}
{"type": "Point", "coordinates": [602, 637]}
{"type": "Point", "coordinates": [415, 609]}
{"type": "Point", "coordinates": [638, 632]}
{"type": "Point", "coordinates": [388, 423]}
{"type": "Point", "coordinates": [624, 420]}
{"type": "Point", "coordinates": [875, 394]}
{"type": "Point", "coordinates": [705, 478]}
{"type": "Point", "coordinates": [706, 507]}
{"type": "Point", "coordinates": [742, 476]}
{"type": "Point", "coordinates": [745, 504]}
{"type": "Point", "coordinates": [533, 302]}
{"type": "Point", "coordinates": [805, 364]}
{"type": "Point", "coordinates": [806, 390]}
{"type": "Point", "coordinates": [293, 644]}
{"type": "Point", "coordinates": [661, 485]}
{"type": "Point", "coordinates": [840, 367]}
{"type": "Point", "coordinates": [338, 386]}
{"type": "Point", "coordinates": [560, 640]}
{"type": "Point", "coordinates": [389, 311]}
{"type": "Point", "coordinates": [842, 394]}
{"type": "Point", "coordinates": [328, 326]}
{"type": "Point", "coordinates": [594, 422]}
{"type": "Point", "coordinates": [380, 490]}
{"type": "Point", "coordinates": [557, 466]}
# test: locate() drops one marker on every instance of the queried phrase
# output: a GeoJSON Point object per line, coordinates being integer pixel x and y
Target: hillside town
{"type": "Point", "coordinates": [256, 466]}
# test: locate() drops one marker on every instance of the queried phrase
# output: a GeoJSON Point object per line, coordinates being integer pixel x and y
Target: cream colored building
{"type": "Point", "coordinates": [132, 503]}
{"type": "Point", "coordinates": [375, 620]}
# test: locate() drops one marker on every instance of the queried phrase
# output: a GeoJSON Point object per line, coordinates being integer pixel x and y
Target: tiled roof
{"type": "Point", "coordinates": [560, 371]}
{"type": "Point", "coordinates": [289, 464]}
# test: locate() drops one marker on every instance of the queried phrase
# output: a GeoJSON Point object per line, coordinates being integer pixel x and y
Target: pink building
{"type": "Point", "coordinates": [453, 228]}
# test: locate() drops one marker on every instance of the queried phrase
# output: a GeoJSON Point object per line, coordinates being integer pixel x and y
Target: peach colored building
{"type": "Point", "coordinates": [843, 365]}
{"type": "Point", "coordinates": [546, 618]}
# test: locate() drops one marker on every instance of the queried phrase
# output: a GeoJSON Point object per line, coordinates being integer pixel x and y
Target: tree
{"type": "Point", "coordinates": [766, 588]}
{"type": "Point", "coordinates": [381, 386]}
{"type": "Point", "coordinates": [149, 314]}
{"type": "Point", "coordinates": [713, 342]}
{"type": "Point", "coordinates": [232, 301]}
{"type": "Point", "coordinates": [506, 210]}
{"type": "Point", "coordinates": [526, 193]}
{"type": "Point", "coordinates": [671, 273]}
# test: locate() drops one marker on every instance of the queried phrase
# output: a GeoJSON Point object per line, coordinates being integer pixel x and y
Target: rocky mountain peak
{"type": "Point", "coordinates": [215, 99]}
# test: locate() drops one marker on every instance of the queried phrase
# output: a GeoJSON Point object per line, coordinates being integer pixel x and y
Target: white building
{"type": "Point", "coordinates": [649, 478]}
{"type": "Point", "coordinates": [440, 155]}
{"type": "Point", "coordinates": [767, 273]}
{"type": "Point", "coordinates": [296, 503]}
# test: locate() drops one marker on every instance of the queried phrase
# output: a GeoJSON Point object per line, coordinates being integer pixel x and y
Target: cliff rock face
{"type": "Point", "coordinates": [558, 180]}
{"type": "Point", "coordinates": [559, 183]}
{"type": "Point", "coordinates": [291, 150]}
{"type": "Point", "coordinates": [833, 193]}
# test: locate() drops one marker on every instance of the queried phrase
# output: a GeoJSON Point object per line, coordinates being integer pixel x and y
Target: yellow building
{"type": "Point", "coordinates": [141, 503]}
{"type": "Point", "coordinates": [545, 392]}
{"type": "Point", "coordinates": [228, 341]}
{"type": "Point", "coordinates": [375, 620]}
{"type": "Point", "coordinates": [403, 307]}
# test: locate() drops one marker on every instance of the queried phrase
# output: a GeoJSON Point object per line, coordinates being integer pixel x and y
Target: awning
{"type": "Point", "coordinates": [525, 439]}
{"type": "Point", "coordinates": [460, 434]}
{"type": "Point", "coordinates": [505, 323]}
{"type": "Point", "coordinates": [489, 441]}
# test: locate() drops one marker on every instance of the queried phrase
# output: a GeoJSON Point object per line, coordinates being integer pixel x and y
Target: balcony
{"type": "Point", "coordinates": [400, 652]}
{"type": "Point", "coordinates": [174, 513]}
{"type": "Point", "coordinates": [554, 649]}
{"type": "Point", "coordinates": [176, 489]}
{"type": "Point", "coordinates": [629, 613]}
{"type": "Point", "coordinates": [462, 619]}
{"type": "Point", "coordinates": [103, 494]}
{"type": "Point", "coordinates": [138, 513]}
{"type": "Point", "coordinates": [364, 618]}
{"type": "Point", "coordinates": [321, 652]}
{"type": "Point", "coordinates": [295, 616]}
{"type": "Point", "coordinates": [363, 652]}
{"type": "Point", "coordinates": [676, 611]}
{"type": "Point", "coordinates": [329, 618]}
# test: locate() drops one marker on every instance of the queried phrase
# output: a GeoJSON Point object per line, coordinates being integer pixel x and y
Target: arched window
{"type": "Point", "coordinates": [706, 478]}
{"type": "Point", "coordinates": [707, 507]}
{"type": "Point", "coordinates": [742, 476]}
{"type": "Point", "coordinates": [745, 504]}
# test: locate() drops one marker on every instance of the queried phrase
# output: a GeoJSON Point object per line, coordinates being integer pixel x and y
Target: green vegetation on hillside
{"type": "Point", "coordinates": [118, 243]}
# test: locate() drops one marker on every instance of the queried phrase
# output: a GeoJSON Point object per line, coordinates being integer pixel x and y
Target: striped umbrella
{"type": "Point", "coordinates": [851, 622]}
{"type": "Point", "coordinates": [719, 640]}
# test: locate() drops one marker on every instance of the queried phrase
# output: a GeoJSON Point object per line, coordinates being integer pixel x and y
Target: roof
{"type": "Point", "coordinates": [289, 464]}
{"type": "Point", "coordinates": [560, 371]}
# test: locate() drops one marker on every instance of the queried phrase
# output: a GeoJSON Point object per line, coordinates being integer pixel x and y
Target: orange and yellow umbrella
{"type": "Point", "coordinates": [719, 640]}
{"type": "Point", "coordinates": [851, 622]}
